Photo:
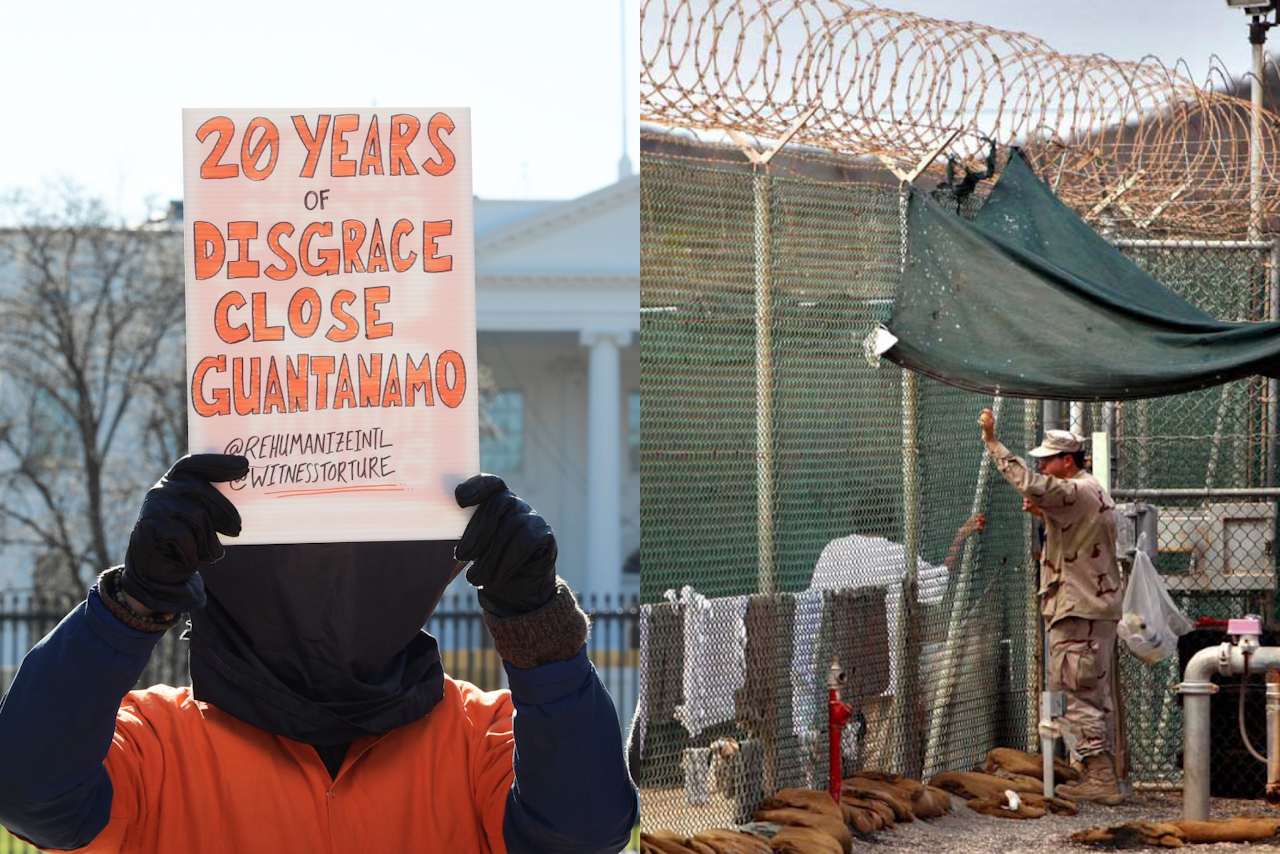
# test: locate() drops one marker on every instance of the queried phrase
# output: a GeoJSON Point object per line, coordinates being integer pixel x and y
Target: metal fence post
{"type": "Point", "coordinates": [765, 552]}
{"type": "Point", "coordinates": [909, 640]}
{"type": "Point", "coordinates": [1273, 314]}
{"type": "Point", "coordinates": [1027, 600]}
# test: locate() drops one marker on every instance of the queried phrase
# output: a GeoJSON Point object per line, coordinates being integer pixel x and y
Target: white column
{"type": "Point", "coordinates": [604, 461]}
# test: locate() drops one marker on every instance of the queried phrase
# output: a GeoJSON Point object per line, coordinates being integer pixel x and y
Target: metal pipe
{"type": "Point", "coordinates": [1257, 37]}
{"type": "Point", "coordinates": [908, 634]}
{"type": "Point", "coordinates": [910, 473]}
{"type": "Point", "coordinates": [908, 639]}
{"type": "Point", "coordinates": [1196, 688]}
{"type": "Point", "coordinates": [1273, 386]}
{"type": "Point", "coordinates": [765, 552]}
{"type": "Point", "coordinates": [1053, 415]}
{"type": "Point", "coordinates": [1113, 451]}
{"type": "Point", "coordinates": [1048, 741]}
{"type": "Point", "coordinates": [1034, 672]}
{"type": "Point", "coordinates": [1272, 795]}
{"type": "Point", "coordinates": [1243, 492]}
{"type": "Point", "coordinates": [1078, 412]}
{"type": "Point", "coordinates": [1101, 449]}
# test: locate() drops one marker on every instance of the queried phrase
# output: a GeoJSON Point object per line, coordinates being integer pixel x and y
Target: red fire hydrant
{"type": "Point", "coordinates": [838, 716]}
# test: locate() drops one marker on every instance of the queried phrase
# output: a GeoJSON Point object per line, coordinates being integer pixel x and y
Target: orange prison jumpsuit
{"type": "Point", "coordinates": [190, 779]}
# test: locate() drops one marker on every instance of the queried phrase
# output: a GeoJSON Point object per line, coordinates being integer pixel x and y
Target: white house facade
{"type": "Point", "coordinates": [558, 321]}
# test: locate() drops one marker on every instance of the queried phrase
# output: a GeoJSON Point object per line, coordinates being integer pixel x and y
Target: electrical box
{"type": "Point", "coordinates": [1132, 521]}
{"type": "Point", "coordinates": [1230, 546]}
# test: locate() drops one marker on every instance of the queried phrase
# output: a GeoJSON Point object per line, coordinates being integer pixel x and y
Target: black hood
{"type": "Point", "coordinates": [322, 642]}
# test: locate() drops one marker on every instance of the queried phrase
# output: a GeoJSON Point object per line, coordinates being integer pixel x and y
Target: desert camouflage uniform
{"type": "Point", "coordinates": [1079, 591]}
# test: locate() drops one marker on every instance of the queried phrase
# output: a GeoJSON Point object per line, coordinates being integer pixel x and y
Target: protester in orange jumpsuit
{"type": "Point", "coordinates": [320, 719]}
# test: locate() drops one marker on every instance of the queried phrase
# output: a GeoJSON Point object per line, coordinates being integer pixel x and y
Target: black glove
{"type": "Point", "coordinates": [177, 530]}
{"type": "Point", "coordinates": [512, 549]}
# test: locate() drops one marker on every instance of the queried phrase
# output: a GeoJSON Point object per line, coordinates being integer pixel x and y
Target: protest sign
{"type": "Point", "coordinates": [330, 298]}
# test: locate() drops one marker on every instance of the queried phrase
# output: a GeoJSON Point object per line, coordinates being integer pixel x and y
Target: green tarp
{"type": "Point", "coordinates": [1026, 300]}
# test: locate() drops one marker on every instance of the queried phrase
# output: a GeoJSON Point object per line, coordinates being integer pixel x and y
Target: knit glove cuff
{"type": "Point", "coordinates": [554, 632]}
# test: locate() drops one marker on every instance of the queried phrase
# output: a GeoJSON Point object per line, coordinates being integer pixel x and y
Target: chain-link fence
{"type": "Point", "coordinates": [800, 503]}
{"type": "Point", "coordinates": [1205, 463]}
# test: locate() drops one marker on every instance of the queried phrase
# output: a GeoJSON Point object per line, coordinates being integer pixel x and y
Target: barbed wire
{"type": "Point", "coordinates": [1135, 145]}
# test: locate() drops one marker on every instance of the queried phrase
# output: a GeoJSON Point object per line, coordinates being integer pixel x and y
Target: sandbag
{"type": "Point", "coordinates": [1237, 829]}
{"type": "Point", "coordinates": [886, 777]}
{"type": "Point", "coordinates": [805, 799]}
{"type": "Point", "coordinates": [903, 788]}
{"type": "Point", "coordinates": [860, 820]}
{"type": "Point", "coordinates": [1136, 834]}
{"type": "Point", "coordinates": [803, 840]}
{"type": "Point", "coordinates": [880, 808]}
{"type": "Point", "coordinates": [1176, 834]}
{"type": "Point", "coordinates": [929, 802]}
{"type": "Point", "coordinates": [1027, 765]}
{"type": "Point", "coordinates": [976, 784]}
{"type": "Point", "coordinates": [833, 827]}
{"type": "Point", "coordinates": [731, 842]}
{"type": "Point", "coordinates": [868, 790]}
{"type": "Point", "coordinates": [918, 799]}
{"type": "Point", "coordinates": [666, 842]}
{"type": "Point", "coordinates": [1000, 808]}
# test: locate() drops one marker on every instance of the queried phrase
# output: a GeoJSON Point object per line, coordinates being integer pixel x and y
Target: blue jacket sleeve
{"type": "Point", "coordinates": [57, 722]}
{"type": "Point", "coordinates": [572, 793]}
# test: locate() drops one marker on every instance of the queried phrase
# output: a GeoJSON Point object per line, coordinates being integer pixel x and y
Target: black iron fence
{"type": "Point", "coordinates": [465, 645]}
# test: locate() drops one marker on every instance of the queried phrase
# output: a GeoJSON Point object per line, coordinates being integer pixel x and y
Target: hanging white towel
{"type": "Point", "coordinates": [715, 658]}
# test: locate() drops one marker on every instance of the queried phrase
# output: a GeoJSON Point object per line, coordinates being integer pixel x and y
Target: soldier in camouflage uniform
{"type": "Point", "coordinates": [1079, 592]}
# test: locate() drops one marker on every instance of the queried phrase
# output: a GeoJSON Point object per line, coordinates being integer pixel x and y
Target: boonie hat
{"type": "Point", "coordinates": [1058, 442]}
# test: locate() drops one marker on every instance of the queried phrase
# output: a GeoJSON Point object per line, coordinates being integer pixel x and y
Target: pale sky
{"type": "Point", "coordinates": [1122, 29]}
{"type": "Point", "coordinates": [93, 92]}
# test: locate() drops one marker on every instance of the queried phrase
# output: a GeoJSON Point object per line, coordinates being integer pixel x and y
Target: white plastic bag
{"type": "Point", "coordinates": [1151, 623]}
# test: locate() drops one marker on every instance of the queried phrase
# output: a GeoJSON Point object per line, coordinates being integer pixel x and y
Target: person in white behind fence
{"type": "Point", "coordinates": [857, 561]}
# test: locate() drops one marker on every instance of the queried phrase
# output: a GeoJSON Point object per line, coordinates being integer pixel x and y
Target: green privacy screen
{"type": "Point", "coordinates": [1026, 300]}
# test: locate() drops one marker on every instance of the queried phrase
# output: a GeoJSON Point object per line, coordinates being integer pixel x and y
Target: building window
{"type": "Point", "coordinates": [502, 432]}
{"type": "Point", "coordinates": [633, 430]}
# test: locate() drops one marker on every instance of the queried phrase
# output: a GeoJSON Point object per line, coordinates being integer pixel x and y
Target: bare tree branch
{"type": "Point", "coordinates": [93, 374]}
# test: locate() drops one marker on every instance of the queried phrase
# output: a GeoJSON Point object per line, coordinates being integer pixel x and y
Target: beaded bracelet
{"type": "Point", "coordinates": [111, 594]}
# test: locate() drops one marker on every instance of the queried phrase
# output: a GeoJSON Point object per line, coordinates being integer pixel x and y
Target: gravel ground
{"type": "Point", "coordinates": [967, 832]}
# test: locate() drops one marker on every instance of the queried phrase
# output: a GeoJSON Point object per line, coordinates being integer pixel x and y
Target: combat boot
{"type": "Point", "coordinates": [1099, 785]}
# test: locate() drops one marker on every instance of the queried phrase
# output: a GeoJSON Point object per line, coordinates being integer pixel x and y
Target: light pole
{"type": "Point", "coordinates": [1258, 26]}
{"type": "Point", "coordinates": [1257, 10]}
